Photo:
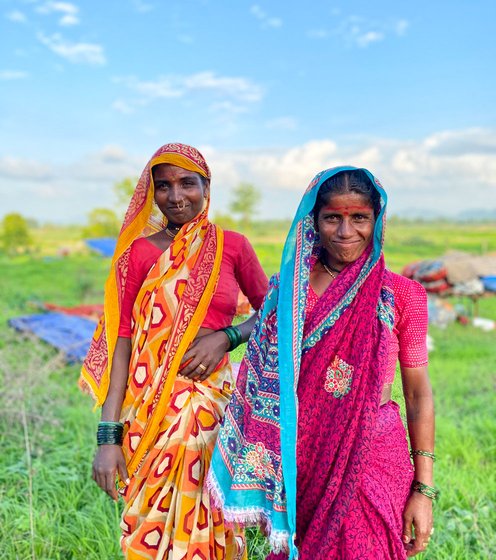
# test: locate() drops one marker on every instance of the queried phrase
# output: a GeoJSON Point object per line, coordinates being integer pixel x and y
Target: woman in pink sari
{"type": "Point", "coordinates": [313, 449]}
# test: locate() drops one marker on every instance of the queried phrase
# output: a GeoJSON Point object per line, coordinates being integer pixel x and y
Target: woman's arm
{"type": "Point", "coordinates": [109, 459]}
{"type": "Point", "coordinates": [209, 349]}
{"type": "Point", "coordinates": [420, 420]}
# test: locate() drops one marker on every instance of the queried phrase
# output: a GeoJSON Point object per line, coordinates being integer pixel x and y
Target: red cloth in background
{"type": "Point", "coordinates": [90, 311]}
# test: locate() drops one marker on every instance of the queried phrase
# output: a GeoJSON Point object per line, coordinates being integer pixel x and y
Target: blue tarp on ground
{"type": "Point", "coordinates": [489, 283]}
{"type": "Point", "coordinates": [105, 246]}
{"type": "Point", "coordinates": [68, 333]}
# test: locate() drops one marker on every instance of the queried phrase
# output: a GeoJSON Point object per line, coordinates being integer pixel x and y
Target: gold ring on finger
{"type": "Point", "coordinates": [202, 367]}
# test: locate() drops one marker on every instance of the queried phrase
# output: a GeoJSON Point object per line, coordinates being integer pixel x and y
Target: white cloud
{"type": "Point", "coordinates": [142, 7]}
{"type": "Point", "coordinates": [77, 53]}
{"type": "Point", "coordinates": [69, 13]}
{"type": "Point", "coordinates": [226, 93]}
{"type": "Point", "coordinates": [441, 157]}
{"type": "Point", "coordinates": [458, 142]}
{"type": "Point", "coordinates": [365, 39]}
{"type": "Point", "coordinates": [282, 123]}
{"type": "Point", "coordinates": [264, 18]}
{"type": "Point", "coordinates": [152, 89]}
{"type": "Point", "coordinates": [401, 26]}
{"type": "Point", "coordinates": [318, 34]}
{"type": "Point", "coordinates": [433, 174]}
{"type": "Point", "coordinates": [113, 153]}
{"type": "Point", "coordinates": [361, 32]}
{"type": "Point", "coordinates": [7, 75]}
{"type": "Point", "coordinates": [122, 107]}
{"type": "Point", "coordinates": [18, 168]}
{"type": "Point", "coordinates": [68, 20]}
{"type": "Point", "coordinates": [237, 88]}
{"type": "Point", "coordinates": [227, 108]}
{"type": "Point", "coordinates": [16, 16]}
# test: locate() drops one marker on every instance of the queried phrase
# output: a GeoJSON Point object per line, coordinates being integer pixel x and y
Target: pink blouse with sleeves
{"type": "Point", "coordinates": [409, 336]}
{"type": "Point", "coordinates": [239, 268]}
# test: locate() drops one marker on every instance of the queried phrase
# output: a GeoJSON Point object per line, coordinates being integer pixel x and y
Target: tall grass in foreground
{"type": "Point", "coordinates": [50, 509]}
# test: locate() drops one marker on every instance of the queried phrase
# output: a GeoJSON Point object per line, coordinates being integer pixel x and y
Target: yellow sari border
{"type": "Point", "coordinates": [185, 333]}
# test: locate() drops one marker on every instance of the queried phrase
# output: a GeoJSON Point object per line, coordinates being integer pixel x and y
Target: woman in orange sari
{"type": "Point", "coordinates": [158, 363]}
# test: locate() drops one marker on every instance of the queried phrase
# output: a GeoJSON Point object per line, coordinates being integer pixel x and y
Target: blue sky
{"type": "Point", "coordinates": [271, 92]}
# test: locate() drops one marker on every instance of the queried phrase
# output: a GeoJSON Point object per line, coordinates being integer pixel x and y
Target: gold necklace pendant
{"type": "Point", "coordinates": [327, 269]}
{"type": "Point", "coordinates": [170, 233]}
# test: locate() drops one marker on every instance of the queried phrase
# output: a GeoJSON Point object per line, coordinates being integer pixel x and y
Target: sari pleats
{"type": "Point", "coordinates": [168, 512]}
{"type": "Point", "coordinates": [373, 525]}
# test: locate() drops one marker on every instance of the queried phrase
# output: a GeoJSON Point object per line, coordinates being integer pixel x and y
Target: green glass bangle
{"type": "Point", "coordinates": [231, 337]}
{"type": "Point", "coordinates": [234, 335]}
{"type": "Point", "coordinates": [109, 433]}
{"type": "Point", "coordinates": [425, 490]}
{"type": "Point", "coordinates": [422, 454]}
{"type": "Point", "coordinates": [238, 336]}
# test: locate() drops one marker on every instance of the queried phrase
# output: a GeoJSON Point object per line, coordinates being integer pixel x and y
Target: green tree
{"type": "Point", "coordinates": [102, 222]}
{"type": "Point", "coordinates": [124, 190]}
{"type": "Point", "coordinates": [225, 221]}
{"type": "Point", "coordinates": [244, 202]}
{"type": "Point", "coordinates": [15, 233]}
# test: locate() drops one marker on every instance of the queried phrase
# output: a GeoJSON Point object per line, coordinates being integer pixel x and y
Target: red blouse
{"type": "Point", "coordinates": [239, 269]}
{"type": "Point", "coordinates": [409, 337]}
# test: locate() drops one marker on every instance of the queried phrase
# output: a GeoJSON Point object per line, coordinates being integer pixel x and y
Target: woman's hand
{"type": "Point", "coordinates": [109, 460]}
{"type": "Point", "coordinates": [203, 355]}
{"type": "Point", "coordinates": [417, 516]}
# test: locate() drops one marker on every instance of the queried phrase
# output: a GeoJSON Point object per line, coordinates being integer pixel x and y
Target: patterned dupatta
{"type": "Point", "coordinates": [167, 313]}
{"type": "Point", "coordinates": [253, 475]}
{"type": "Point", "coordinates": [141, 220]}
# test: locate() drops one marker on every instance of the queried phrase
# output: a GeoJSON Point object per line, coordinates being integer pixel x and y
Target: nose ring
{"type": "Point", "coordinates": [181, 206]}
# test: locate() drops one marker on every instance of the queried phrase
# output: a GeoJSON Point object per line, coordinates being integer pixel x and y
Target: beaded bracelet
{"type": "Point", "coordinates": [425, 490]}
{"type": "Point", "coordinates": [422, 453]}
{"type": "Point", "coordinates": [234, 335]}
{"type": "Point", "coordinates": [109, 433]}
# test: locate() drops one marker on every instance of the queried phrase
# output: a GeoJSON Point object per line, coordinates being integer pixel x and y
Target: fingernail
{"type": "Point", "coordinates": [405, 538]}
{"type": "Point", "coordinates": [128, 480]}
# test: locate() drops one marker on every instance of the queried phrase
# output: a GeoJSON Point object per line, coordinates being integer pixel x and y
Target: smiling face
{"type": "Point", "coordinates": [179, 194]}
{"type": "Point", "coordinates": [346, 226]}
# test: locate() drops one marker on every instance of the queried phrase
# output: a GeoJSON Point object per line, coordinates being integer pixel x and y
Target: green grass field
{"type": "Point", "coordinates": [50, 509]}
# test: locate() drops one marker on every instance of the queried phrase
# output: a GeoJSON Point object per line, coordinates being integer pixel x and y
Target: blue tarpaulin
{"type": "Point", "coordinates": [105, 246]}
{"type": "Point", "coordinates": [68, 333]}
{"type": "Point", "coordinates": [489, 283]}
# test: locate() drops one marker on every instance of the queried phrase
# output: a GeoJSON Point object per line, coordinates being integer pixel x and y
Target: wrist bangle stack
{"type": "Point", "coordinates": [234, 336]}
{"type": "Point", "coordinates": [109, 433]}
{"type": "Point", "coordinates": [422, 453]}
{"type": "Point", "coordinates": [428, 491]}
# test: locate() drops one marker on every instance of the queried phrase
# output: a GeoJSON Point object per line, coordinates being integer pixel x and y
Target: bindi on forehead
{"type": "Point", "coordinates": [346, 210]}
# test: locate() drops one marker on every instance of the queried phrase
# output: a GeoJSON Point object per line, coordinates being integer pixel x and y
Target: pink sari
{"type": "Point", "coordinates": [353, 467]}
{"type": "Point", "coordinates": [306, 452]}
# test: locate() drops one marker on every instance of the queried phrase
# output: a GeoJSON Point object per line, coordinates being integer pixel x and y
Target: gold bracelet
{"type": "Point", "coordinates": [425, 490]}
{"type": "Point", "coordinates": [422, 454]}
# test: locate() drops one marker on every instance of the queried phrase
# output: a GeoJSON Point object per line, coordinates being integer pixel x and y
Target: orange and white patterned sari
{"type": "Point", "coordinates": [170, 423]}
